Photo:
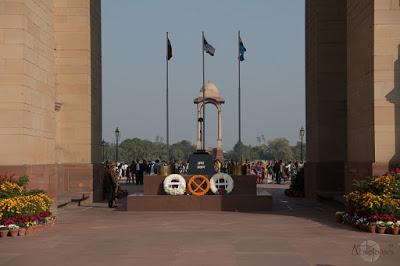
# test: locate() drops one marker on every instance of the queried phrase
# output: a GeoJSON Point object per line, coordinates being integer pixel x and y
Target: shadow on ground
{"type": "Point", "coordinates": [318, 211]}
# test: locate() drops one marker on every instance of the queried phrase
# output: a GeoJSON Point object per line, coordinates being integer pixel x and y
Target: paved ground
{"type": "Point", "coordinates": [296, 232]}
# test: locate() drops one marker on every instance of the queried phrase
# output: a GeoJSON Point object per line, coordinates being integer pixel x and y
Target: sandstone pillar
{"type": "Point", "coordinates": [352, 92]}
{"type": "Point", "coordinates": [50, 106]}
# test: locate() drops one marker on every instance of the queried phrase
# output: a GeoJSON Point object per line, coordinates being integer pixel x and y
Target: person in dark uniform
{"type": "Point", "coordinates": [110, 184]}
{"type": "Point", "coordinates": [277, 171]}
{"type": "Point", "coordinates": [142, 169]}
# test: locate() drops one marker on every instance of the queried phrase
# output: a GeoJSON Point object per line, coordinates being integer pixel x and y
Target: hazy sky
{"type": "Point", "coordinates": [272, 81]}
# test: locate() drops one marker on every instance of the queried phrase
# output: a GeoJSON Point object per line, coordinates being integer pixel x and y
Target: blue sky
{"type": "Point", "coordinates": [273, 74]}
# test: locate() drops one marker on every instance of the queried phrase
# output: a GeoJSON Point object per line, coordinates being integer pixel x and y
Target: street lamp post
{"type": "Point", "coordinates": [116, 142]}
{"type": "Point", "coordinates": [302, 131]}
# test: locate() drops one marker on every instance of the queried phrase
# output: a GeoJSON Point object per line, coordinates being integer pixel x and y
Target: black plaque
{"type": "Point", "coordinates": [200, 163]}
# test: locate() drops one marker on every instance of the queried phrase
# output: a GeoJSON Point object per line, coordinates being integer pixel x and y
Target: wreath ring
{"type": "Point", "coordinates": [221, 180]}
{"type": "Point", "coordinates": [174, 185]}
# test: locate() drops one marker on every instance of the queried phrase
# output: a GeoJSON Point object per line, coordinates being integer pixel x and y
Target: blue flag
{"type": "Point", "coordinates": [242, 49]}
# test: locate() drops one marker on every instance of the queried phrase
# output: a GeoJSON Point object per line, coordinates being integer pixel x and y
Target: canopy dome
{"type": "Point", "coordinates": [211, 94]}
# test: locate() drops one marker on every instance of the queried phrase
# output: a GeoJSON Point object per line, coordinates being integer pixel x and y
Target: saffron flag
{"type": "Point", "coordinates": [169, 50]}
{"type": "Point", "coordinates": [208, 47]}
{"type": "Point", "coordinates": [242, 49]}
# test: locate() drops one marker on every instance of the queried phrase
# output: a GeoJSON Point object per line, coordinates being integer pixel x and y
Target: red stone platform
{"type": "Point", "coordinates": [243, 198]}
{"type": "Point", "coordinates": [204, 203]}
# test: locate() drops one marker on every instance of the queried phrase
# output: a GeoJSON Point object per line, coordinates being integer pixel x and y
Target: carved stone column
{"type": "Point", "coordinates": [219, 140]}
{"type": "Point", "coordinates": [220, 149]}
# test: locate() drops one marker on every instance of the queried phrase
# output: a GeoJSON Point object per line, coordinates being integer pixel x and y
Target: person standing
{"type": "Point", "coordinates": [124, 168]}
{"type": "Point", "coordinates": [132, 169]}
{"type": "Point", "coordinates": [110, 184]}
{"type": "Point", "coordinates": [119, 170]}
{"type": "Point", "coordinates": [262, 173]}
{"type": "Point", "coordinates": [142, 169]}
{"type": "Point", "coordinates": [128, 174]}
{"type": "Point", "coordinates": [281, 170]}
{"type": "Point", "coordinates": [137, 172]}
{"type": "Point", "coordinates": [277, 169]}
{"type": "Point", "coordinates": [157, 167]}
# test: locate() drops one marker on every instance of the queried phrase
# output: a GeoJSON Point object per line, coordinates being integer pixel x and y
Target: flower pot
{"type": "Point", "coordinates": [14, 232]}
{"type": "Point", "coordinates": [22, 231]}
{"type": "Point", "coordinates": [4, 233]}
{"type": "Point", "coordinates": [28, 231]}
{"type": "Point", "coordinates": [34, 229]}
{"type": "Point", "coordinates": [381, 230]}
{"type": "Point", "coordinates": [394, 230]}
{"type": "Point", "coordinates": [372, 228]}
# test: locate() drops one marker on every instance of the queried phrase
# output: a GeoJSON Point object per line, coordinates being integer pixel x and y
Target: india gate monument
{"type": "Point", "coordinates": [51, 93]}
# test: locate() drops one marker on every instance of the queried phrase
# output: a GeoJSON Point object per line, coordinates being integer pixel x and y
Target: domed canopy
{"type": "Point", "coordinates": [211, 94]}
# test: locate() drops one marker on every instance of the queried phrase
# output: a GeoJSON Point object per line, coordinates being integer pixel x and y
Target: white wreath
{"type": "Point", "coordinates": [220, 180]}
{"type": "Point", "coordinates": [174, 185]}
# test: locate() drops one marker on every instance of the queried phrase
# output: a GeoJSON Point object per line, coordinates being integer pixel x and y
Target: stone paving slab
{"type": "Point", "coordinates": [296, 232]}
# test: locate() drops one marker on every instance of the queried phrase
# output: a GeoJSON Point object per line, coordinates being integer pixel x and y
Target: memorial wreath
{"type": "Point", "coordinates": [221, 183]}
{"type": "Point", "coordinates": [174, 185]}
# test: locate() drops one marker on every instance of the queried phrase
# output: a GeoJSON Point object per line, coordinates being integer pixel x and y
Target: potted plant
{"type": "Point", "coordinates": [3, 231]}
{"type": "Point", "coordinates": [35, 227]}
{"type": "Point", "coordinates": [372, 227]}
{"type": "Point", "coordinates": [339, 217]}
{"type": "Point", "coordinates": [381, 227]}
{"type": "Point", "coordinates": [393, 227]}
{"type": "Point", "coordinates": [397, 225]}
{"type": "Point", "coordinates": [50, 220]}
{"type": "Point", "coordinates": [13, 228]}
{"type": "Point", "coordinates": [29, 228]}
{"type": "Point", "coordinates": [362, 224]}
{"type": "Point", "coordinates": [22, 230]}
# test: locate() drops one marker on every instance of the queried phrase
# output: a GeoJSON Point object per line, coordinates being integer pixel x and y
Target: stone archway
{"type": "Point", "coordinates": [212, 96]}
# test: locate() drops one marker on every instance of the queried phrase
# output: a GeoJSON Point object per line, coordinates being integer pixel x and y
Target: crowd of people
{"type": "Point", "coordinates": [137, 169]}
{"type": "Point", "coordinates": [266, 171]}
{"type": "Point", "coordinates": [276, 170]}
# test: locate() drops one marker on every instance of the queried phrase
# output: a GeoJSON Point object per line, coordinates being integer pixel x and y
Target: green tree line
{"type": "Point", "coordinates": [132, 149]}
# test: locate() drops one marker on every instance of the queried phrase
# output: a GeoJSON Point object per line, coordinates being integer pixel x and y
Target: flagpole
{"type": "Point", "coordinates": [239, 99]}
{"type": "Point", "coordinates": [204, 98]}
{"type": "Point", "coordinates": [167, 104]}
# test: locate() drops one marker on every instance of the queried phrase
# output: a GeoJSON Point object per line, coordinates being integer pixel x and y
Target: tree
{"type": "Point", "coordinates": [137, 149]}
{"type": "Point", "coordinates": [297, 151]}
{"type": "Point", "coordinates": [280, 149]}
{"type": "Point", "coordinates": [241, 151]}
{"type": "Point", "coordinates": [182, 150]}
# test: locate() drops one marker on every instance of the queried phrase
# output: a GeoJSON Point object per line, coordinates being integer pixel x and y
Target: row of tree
{"type": "Point", "coordinates": [132, 149]}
